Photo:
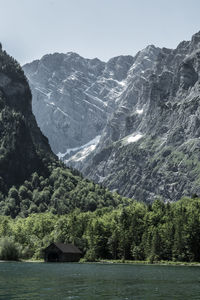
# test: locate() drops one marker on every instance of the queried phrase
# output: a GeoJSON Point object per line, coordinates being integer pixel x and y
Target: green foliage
{"type": "Point", "coordinates": [9, 249]}
{"type": "Point", "coordinates": [61, 192]}
{"type": "Point", "coordinates": [137, 232]}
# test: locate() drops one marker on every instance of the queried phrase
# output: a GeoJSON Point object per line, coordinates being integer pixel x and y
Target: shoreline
{"type": "Point", "coordinates": [125, 262]}
{"type": "Point", "coordinates": [159, 263]}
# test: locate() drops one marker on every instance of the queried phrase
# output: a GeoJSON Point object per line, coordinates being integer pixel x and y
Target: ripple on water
{"type": "Point", "coordinates": [97, 281]}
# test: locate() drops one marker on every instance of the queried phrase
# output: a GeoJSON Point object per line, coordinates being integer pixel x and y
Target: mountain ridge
{"type": "Point", "coordinates": [74, 78]}
{"type": "Point", "coordinates": [169, 125]}
{"type": "Point", "coordinates": [97, 97]}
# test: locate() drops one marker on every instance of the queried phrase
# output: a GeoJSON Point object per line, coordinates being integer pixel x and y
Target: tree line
{"type": "Point", "coordinates": [136, 231]}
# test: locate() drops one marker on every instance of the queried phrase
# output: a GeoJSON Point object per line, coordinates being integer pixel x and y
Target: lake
{"type": "Point", "coordinates": [97, 281]}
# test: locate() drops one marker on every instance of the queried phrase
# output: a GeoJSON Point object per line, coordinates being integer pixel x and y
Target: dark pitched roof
{"type": "Point", "coordinates": [67, 248]}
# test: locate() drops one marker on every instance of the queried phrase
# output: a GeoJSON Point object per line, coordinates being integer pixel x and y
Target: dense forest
{"type": "Point", "coordinates": [59, 193]}
{"type": "Point", "coordinates": [136, 231]}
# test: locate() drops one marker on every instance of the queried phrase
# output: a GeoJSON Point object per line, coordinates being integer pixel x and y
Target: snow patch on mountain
{"type": "Point", "coordinates": [88, 147]}
{"type": "Point", "coordinates": [139, 111]}
{"type": "Point", "coordinates": [132, 138]}
{"type": "Point", "coordinates": [81, 155]}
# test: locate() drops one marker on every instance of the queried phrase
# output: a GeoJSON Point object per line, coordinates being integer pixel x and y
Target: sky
{"type": "Point", "coordinates": [30, 29]}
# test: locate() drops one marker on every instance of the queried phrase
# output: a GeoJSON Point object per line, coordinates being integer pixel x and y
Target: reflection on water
{"type": "Point", "coordinates": [97, 281]}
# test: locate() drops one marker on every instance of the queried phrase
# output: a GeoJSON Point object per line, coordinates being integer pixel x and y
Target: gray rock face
{"type": "Point", "coordinates": [148, 137]}
{"type": "Point", "coordinates": [73, 96]}
{"type": "Point", "coordinates": [152, 139]}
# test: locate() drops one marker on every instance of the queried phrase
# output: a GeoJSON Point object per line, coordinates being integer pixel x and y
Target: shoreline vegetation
{"type": "Point", "coordinates": [164, 263]}
{"type": "Point", "coordinates": [118, 261]}
{"type": "Point", "coordinates": [157, 233]}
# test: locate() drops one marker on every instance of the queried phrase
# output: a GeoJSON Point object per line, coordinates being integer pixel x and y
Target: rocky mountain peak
{"type": "Point", "coordinates": [195, 41]}
{"type": "Point", "coordinates": [148, 138]}
{"type": "Point", "coordinates": [77, 94]}
{"type": "Point", "coordinates": [118, 67]}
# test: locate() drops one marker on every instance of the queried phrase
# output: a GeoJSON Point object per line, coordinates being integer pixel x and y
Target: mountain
{"type": "Point", "coordinates": [150, 146]}
{"type": "Point", "coordinates": [31, 177]}
{"type": "Point", "coordinates": [73, 97]}
{"type": "Point", "coordinates": [147, 142]}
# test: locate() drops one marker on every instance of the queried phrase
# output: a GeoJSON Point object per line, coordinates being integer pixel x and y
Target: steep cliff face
{"type": "Point", "coordinates": [129, 102]}
{"type": "Point", "coordinates": [153, 139]}
{"type": "Point", "coordinates": [142, 136]}
{"type": "Point", "coordinates": [22, 146]}
{"type": "Point", "coordinates": [73, 97]}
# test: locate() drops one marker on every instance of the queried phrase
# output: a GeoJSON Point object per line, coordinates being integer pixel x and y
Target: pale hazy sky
{"type": "Point", "coordinates": [94, 28]}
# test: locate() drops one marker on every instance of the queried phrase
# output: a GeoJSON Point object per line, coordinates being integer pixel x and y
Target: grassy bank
{"type": "Point", "coordinates": [143, 262]}
{"type": "Point", "coordinates": [119, 261]}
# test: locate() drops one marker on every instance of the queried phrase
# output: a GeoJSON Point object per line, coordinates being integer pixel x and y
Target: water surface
{"type": "Point", "coordinates": [97, 281]}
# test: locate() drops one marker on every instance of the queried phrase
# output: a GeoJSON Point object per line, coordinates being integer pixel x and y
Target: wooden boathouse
{"type": "Point", "coordinates": [58, 252]}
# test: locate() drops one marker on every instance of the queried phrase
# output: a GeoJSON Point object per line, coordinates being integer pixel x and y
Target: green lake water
{"type": "Point", "coordinates": [97, 281]}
